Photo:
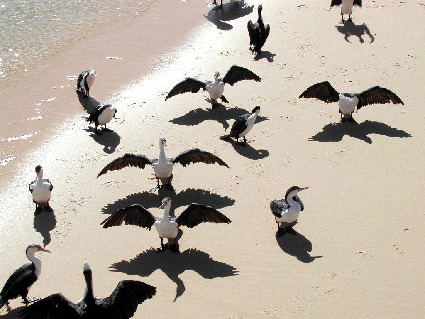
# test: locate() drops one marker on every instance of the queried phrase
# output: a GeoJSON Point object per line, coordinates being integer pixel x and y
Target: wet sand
{"type": "Point", "coordinates": [359, 248]}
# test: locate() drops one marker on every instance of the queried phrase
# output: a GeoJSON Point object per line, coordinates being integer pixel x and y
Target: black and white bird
{"type": "Point", "coordinates": [85, 81]}
{"type": "Point", "coordinates": [214, 88]}
{"type": "Point", "coordinates": [163, 166]}
{"type": "Point", "coordinates": [102, 115]}
{"type": "Point", "coordinates": [121, 304]}
{"type": "Point", "coordinates": [287, 210]}
{"type": "Point", "coordinates": [41, 190]}
{"type": "Point", "coordinates": [258, 33]}
{"type": "Point", "coordinates": [348, 102]}
{"type": "Point", "coordinates": [243, 125]}
{"type": "Point", "coordinates": [168, 225]}
{"type": "Point", "coordinates": [346, 7]}
{"type": "Point", "coordinates": [23, 278]}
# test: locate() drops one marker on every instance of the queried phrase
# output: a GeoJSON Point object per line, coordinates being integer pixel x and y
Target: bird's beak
{"type": "Point", "coordinates": [46, 250]}
{"type": "Point", "coordinates": [163, 205]}
{"type": "Point", "coordinates": [302, 188]}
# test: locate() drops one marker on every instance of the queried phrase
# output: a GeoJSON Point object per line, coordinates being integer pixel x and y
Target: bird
{"type": "Point", "coordinates": [348, 102]}
{"type": "Point", "coordinates": [121, 304]}
{"type": "Point", "coordinates": [23, 278]}
{"type": "Point", "coordinates": [258, 33]}
{"type": "Point", "coordinates": [102, 115]}
{"type": "Point", "coordinates": [168, 225]}
{"type": "Point", "coordinates": [85, 81]}
{"type": "Point", "coordinates": [287, 210]}
{"type": "Point", "coordinates": [214, 88]}
{"type": "Point", "coordinates": [243, 125]}
{"type": "Point", "coordinates": [346, 7]}
{"type": "Point", "coordinates": [41, 190]}
{"type": "Point", "coordinates": [163, 166]}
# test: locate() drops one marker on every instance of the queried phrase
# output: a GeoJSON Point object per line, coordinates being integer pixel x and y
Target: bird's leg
{"type": "Point", "coordinates": [174, 247]}
{"type": "Point", "coordinates": [96, 131]}
{"type": "Point", "coordinates": [38, 209]}
{"type": "Point", "coordinates": [349, 18]}
{"type": "Point", "coordinates": [163, 247]}
{"type": "Point", "coordinates": [290, 230]}
{"type": "Point", "coordinates": [280, 230]}
{"type": "Point", "coordinates": [214, 104]}
{"type": "Point", "coordinates": [342, 17]}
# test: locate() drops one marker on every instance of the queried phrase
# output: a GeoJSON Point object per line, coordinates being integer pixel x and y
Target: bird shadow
{"type": "Point", "coordinates": [88, 103]}
{"type": "Point", "coordinates": [184, 198]}
{"type": "Point", "coordinates": [173, 265]}
{"type": "Point", "coordinates": [246, 150]}
{"type": "Point", "coordinates": [44, 223]}
{"type": "Point", "coordinates": [350, 29]}
{"type": "Point", "coordinates": [13, 314]}
{"type": "Point", "coordinates": [109, 139]}
{"type": "Point", "coordinates": [229, 11]}
{"type": "Point", "coordinates": [265, 55]}
{"type": "Point", "coordinates": [334, 132]}
{"type": "Point", "coordinates": [296, 245]}
{"type": "Point", "coordinates": [219, 114]}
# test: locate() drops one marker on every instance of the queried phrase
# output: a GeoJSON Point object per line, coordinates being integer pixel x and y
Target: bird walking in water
{"type": "Point", "coordinates": [346, 7]}
{"type": "Point", "coordinates": [102, 115]}
{"type": "Point", "coordinates": [243, 125]}
{"type": "Point", "coordinates": [23, 278]}
{"type": "Point", "coordinates": [214, 88]}
{"type": "Point", "coordinates": [121, 304]}
{"type": "Point", "coordinates": [41, 190]}
{"type": "Point", "coordinates": [168, 225]}
{"type": "Point", "coordinates": [163, 166]}
{"type": "Point", "coordinates": [258, 33]}
{"type": "Point", "coordinates": [85, 81]}
{"type": "Point", "coordinates": [287, 210]}
{"type": "Point", "coordinates": [348, 102]}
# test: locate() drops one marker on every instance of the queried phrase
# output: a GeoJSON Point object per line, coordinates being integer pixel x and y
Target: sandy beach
{"type": "Point", "coordinates": [360, 243]}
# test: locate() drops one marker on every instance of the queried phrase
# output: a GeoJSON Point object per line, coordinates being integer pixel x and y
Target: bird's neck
{"type": "Point", "coordinates": [290, 199]}
{"type": "Point", "coordinates": [36, 262]}
{"type": "Point", "coordinates": [162, 157]}
{"type": "Point", "coordinates": [40, 177]}
{"type": "Point", "coordinates": [166, 214]}
{"type": "Point", "coordinates": [88, 294]}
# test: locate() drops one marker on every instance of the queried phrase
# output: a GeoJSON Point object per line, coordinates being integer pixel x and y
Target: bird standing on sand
{"type": "Point", "coordinates": [23, 278]}
{"type": "Point", "coordinates": [287, 210]}
{"type": "Point", "coordinates": [121, 304]}
{"type": "Point", "coordinates": [41, 190]}
{"type": "Point", "coordinates": [346, 7]}
{"type": "Point", "coordinates": [167, 226]}
{"type": "Point", "coordinates": [85, 81]}
{"type": "Point", "coordinates": [348, 102]}
{"type": "Point", "coordinates": [102, 115]}
{"type": "Point", "coordinates": [258, 33]}
{"type": "Point", "coordinates": [163, 166]}
{"type": "Point", "coordinates": [243, 125]}
{"type": "Point", "coordinates": [215, 88]}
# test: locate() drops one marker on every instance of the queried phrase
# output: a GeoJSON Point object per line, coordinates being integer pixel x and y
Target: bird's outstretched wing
{"type": "Point", "coordinates": [238, 73]}
{"type": "Point", "coordinates": [135, 215]}
{"type": "Point", "coordinates": [377, 95]}
{"type": "Point", "coordinates": [123, 302]}
{"type": "Point", "coordinates": [322, 91]}
{"type": "Point", "coordinates": [254, 33]}
{"type": "Point", "coordinates": [55, 306]}
{"type": "Point", "coordinates": [195, 155]}
{"type": "Point", "coordinates": [277, 206]}
{"type": "Point", "coordinates": [357, 3]}
{"type": "Point", "coordinates": [196, 214]}
{"type": "Point", "coordinates": [336, 3]}
{"type": "Point", "coordinates": [127, 160]}
{"type": "Point", "coordinates": [187, 85]}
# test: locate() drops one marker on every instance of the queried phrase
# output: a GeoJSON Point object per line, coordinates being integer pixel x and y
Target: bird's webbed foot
{"type": "Point", "coordinates": [28, 300]}
{"type": "Point", "coordinates": [96, 131]}
{"type": "Point", "coordinates": [162, 248]}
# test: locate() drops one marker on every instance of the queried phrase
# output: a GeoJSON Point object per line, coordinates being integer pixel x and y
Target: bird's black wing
{"type": "Point", "coordinates": [277, 206]}
{"type": "Point", "coordinates": [238, 73]}
{"type": "Point", "coordinates": [239, 125]}
{"type": "Point", "coordinates": [195, 155]}
{"type": "Point", "coordinates": [377, 95]}
{"type": "Point", "coordinates": [254, 32]}
{"type": "Point", "coordinates": [336, 3]}
{"type": "Point", "coordinates": [187, 85]}
{"type": "Point", "coordinates": [29, 186]}
{"type": "Point", "coordinates": [95, 113]}
{"type": "Point", "coordinates": [196, 214]}
{"type": "Point", "coordinates": [24, 276]}
{"type": "Point", "coordinates": [80, 78]}
{"type": "Point", "coordinates": [55, 306]}
{"type": "Point", "coordinates": [357, 3]}
{"type": "Point", "coordinates": [127, 160]}
{"type": "Point", "coordinates": [135, 215]}
{"type": "Point", "coordinates": [322, 91]}
{"type": "Point", "coordinates": [123, 302]}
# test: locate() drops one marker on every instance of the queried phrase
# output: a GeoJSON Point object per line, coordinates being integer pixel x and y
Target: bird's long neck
{"type": "Point", "coordinates": [88, 295]}
{"type": "Point", "coordinates": [36, 262]}
{"type": "Point", "coordinates": [162, 157]}
{"type": "Point", "coordinates": [166, 214]}
{"type": "Point", "coordinates": [40, 177]}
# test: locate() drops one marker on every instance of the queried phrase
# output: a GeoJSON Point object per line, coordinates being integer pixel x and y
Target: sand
{"type": "Point", "coordinates": [359, 248]}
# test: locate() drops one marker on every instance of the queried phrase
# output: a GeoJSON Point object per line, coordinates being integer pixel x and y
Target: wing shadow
{"type": "Point", "coordinates": [109, 139]}
{"type": "Point", "coordinates": [246, 150]}
{"type": "Point", "coordinates": [173, 265]}
{"type": "Point", "coordinates": [88, 103]}
{"type": "Point", "coordinates": [44, 223]}
{"type": "Point", "coordinates": [334, 132]}
{"type": "Point", "coordinates": [350, 29]}
{"type": "Point", "coordinates": [230, 11]}
{"type": "Point", "coordinates": [297, 246]}
{"type": "Point", "coordinates": [184, 198]}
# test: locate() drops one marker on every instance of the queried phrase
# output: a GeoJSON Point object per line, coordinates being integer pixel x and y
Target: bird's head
{"type": "Point", "coordinates": [32, 249]}
{"type": "Point", "coordinates": [38, 169]}
{"type": "Point", "coordinates": [162, 142]}
{"type": "Point", "coordinates": [86, 267]}
{"type": "Point", "coordinates": [216, 75]}
{"type": "Point", "coordinates": [165, 202]}
{"type": "Point", "coordinates": [92, 72]}
{"type": "Point", "coordinates": [292, 191]}
{"type": "Point", "coordinates": [256, 110]}
{"type": "Point", "coordinates": [260, 7]}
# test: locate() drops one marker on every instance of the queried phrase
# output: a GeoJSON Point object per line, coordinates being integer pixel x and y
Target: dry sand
{"type": "Point", "coordinates": [359, 251]}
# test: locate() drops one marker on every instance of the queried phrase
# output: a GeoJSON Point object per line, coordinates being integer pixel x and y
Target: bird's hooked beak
{"type": "Point", "coordinates": [42, 249]}
{"type": "Point", "coordinates": [162, 205]}
{"type": "Point", "coordinates": [302, 188]}
{"type": "Point", "coordinates": [216, 75]}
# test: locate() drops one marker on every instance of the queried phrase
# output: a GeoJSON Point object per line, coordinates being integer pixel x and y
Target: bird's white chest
{"type": "Point", "coordinates": [215, 89]}
{"type": "Point", "coordinates": [167, 228]}
{"type": "Point", "coordinates": [347, 6]}
{"type": "Point", "coordinates": [249, 124]}
{"type": "Point", "coordinates": [106, 116]}
{"type": "Point", "coordinates": [163, 168]}
{"type": "Point", "coordinates": [347, 104]}
{"type": "Point", "coordinates": [41, 192]}
{"type": "Point", "coordinates": [290, 215]}
{"type": "Point", "coordinates": [90, 80]}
